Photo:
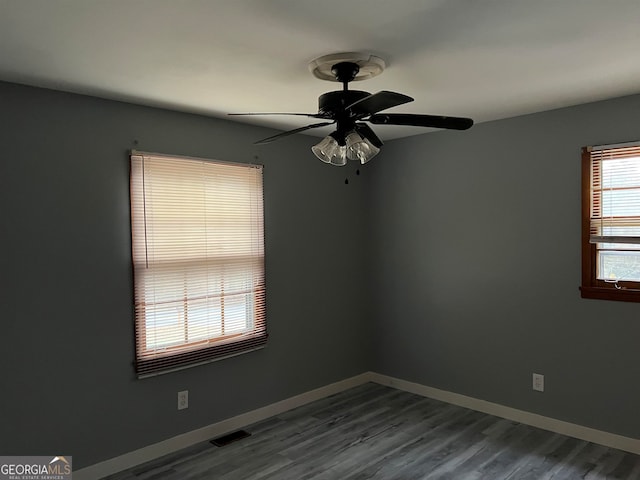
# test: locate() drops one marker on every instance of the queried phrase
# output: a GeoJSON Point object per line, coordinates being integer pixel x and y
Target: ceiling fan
{"type": "Point", "coordinates": [349, 109]}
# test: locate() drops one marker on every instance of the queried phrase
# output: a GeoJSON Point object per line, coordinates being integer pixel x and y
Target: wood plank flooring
{"type": "Point", "coordinates": [375, 432]}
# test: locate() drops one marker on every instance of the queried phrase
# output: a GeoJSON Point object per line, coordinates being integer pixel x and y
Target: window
{"type": "Point", "coordinates": [611, 222]}
{"type": "Point", "coordinates": [198, 260]}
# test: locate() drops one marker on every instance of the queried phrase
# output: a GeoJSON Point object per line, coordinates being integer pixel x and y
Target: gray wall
{"type": "Point", "coordinates": [68, 384]}
{"type": "Point", "coordinates": [477, 267]}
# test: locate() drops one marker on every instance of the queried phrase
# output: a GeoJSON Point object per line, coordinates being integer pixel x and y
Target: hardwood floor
{"type": "Point", "coordinates": [375, 432]}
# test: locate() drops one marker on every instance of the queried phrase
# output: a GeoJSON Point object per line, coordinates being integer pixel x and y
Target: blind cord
{"type": "Point", "coordinates": [144, 214]}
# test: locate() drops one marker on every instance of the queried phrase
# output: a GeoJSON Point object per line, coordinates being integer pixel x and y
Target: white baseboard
{"type": "Point", "coordinates": [546, 423]}
{"type": "Point", "coordinates": [151, 452]}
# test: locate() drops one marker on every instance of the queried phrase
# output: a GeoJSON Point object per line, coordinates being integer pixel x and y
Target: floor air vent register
{"type": "Point", "coordinates": [230, 438]}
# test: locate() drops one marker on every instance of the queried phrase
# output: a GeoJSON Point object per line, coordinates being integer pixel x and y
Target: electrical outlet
{"type": "Point", "coordinates": [183, 399]}
{"type": "Point", "coordinates": [538, 382]}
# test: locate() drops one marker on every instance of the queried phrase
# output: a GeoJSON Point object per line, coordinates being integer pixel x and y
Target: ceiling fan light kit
{"type": "Point", "coordinates": [348, 109]}
{"type": "Point", "coordinates": [335, 150]}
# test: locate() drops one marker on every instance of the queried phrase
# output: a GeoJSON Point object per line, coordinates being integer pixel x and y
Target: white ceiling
{"type": "Point", "coordinates": [485, 59]}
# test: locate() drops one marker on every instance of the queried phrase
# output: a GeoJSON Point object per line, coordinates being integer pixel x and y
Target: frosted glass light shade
{"type": "Point", "coordinates": [329, 151]}
{"type": "Point", "coordinates": [359, 148]}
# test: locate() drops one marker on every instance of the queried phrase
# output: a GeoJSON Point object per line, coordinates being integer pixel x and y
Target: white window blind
{"type": "Point", "coordinates": [615, 211]}
{"type": "Point", "coordinates": [198, 257]}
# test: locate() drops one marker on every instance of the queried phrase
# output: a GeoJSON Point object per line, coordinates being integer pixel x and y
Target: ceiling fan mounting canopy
{"type": "Point", "coordinates": [369, 66]}
{"type": "Point", "coordinates": [345, 72]}
{"type": "Point", "coordinates": [352, 138]}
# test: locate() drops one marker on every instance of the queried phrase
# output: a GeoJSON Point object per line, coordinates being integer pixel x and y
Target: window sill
{"type": "Point", "coordinates": [599, 293]}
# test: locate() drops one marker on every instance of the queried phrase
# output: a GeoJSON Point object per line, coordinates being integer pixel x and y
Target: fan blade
{"type": "Point", "coordinates": [313, 115]}
{"type": "Point", "coordinates": [377, 102]}
{"type": "Point", "coordinates": [434, 121]}
{"type": "Point", "coordinates": [290, 132]}
{"type": "Point", "coordinates": [366, 131]}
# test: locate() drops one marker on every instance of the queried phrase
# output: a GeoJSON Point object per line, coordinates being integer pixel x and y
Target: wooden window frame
{"type": "Point", "coordinates": [592, 287]}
